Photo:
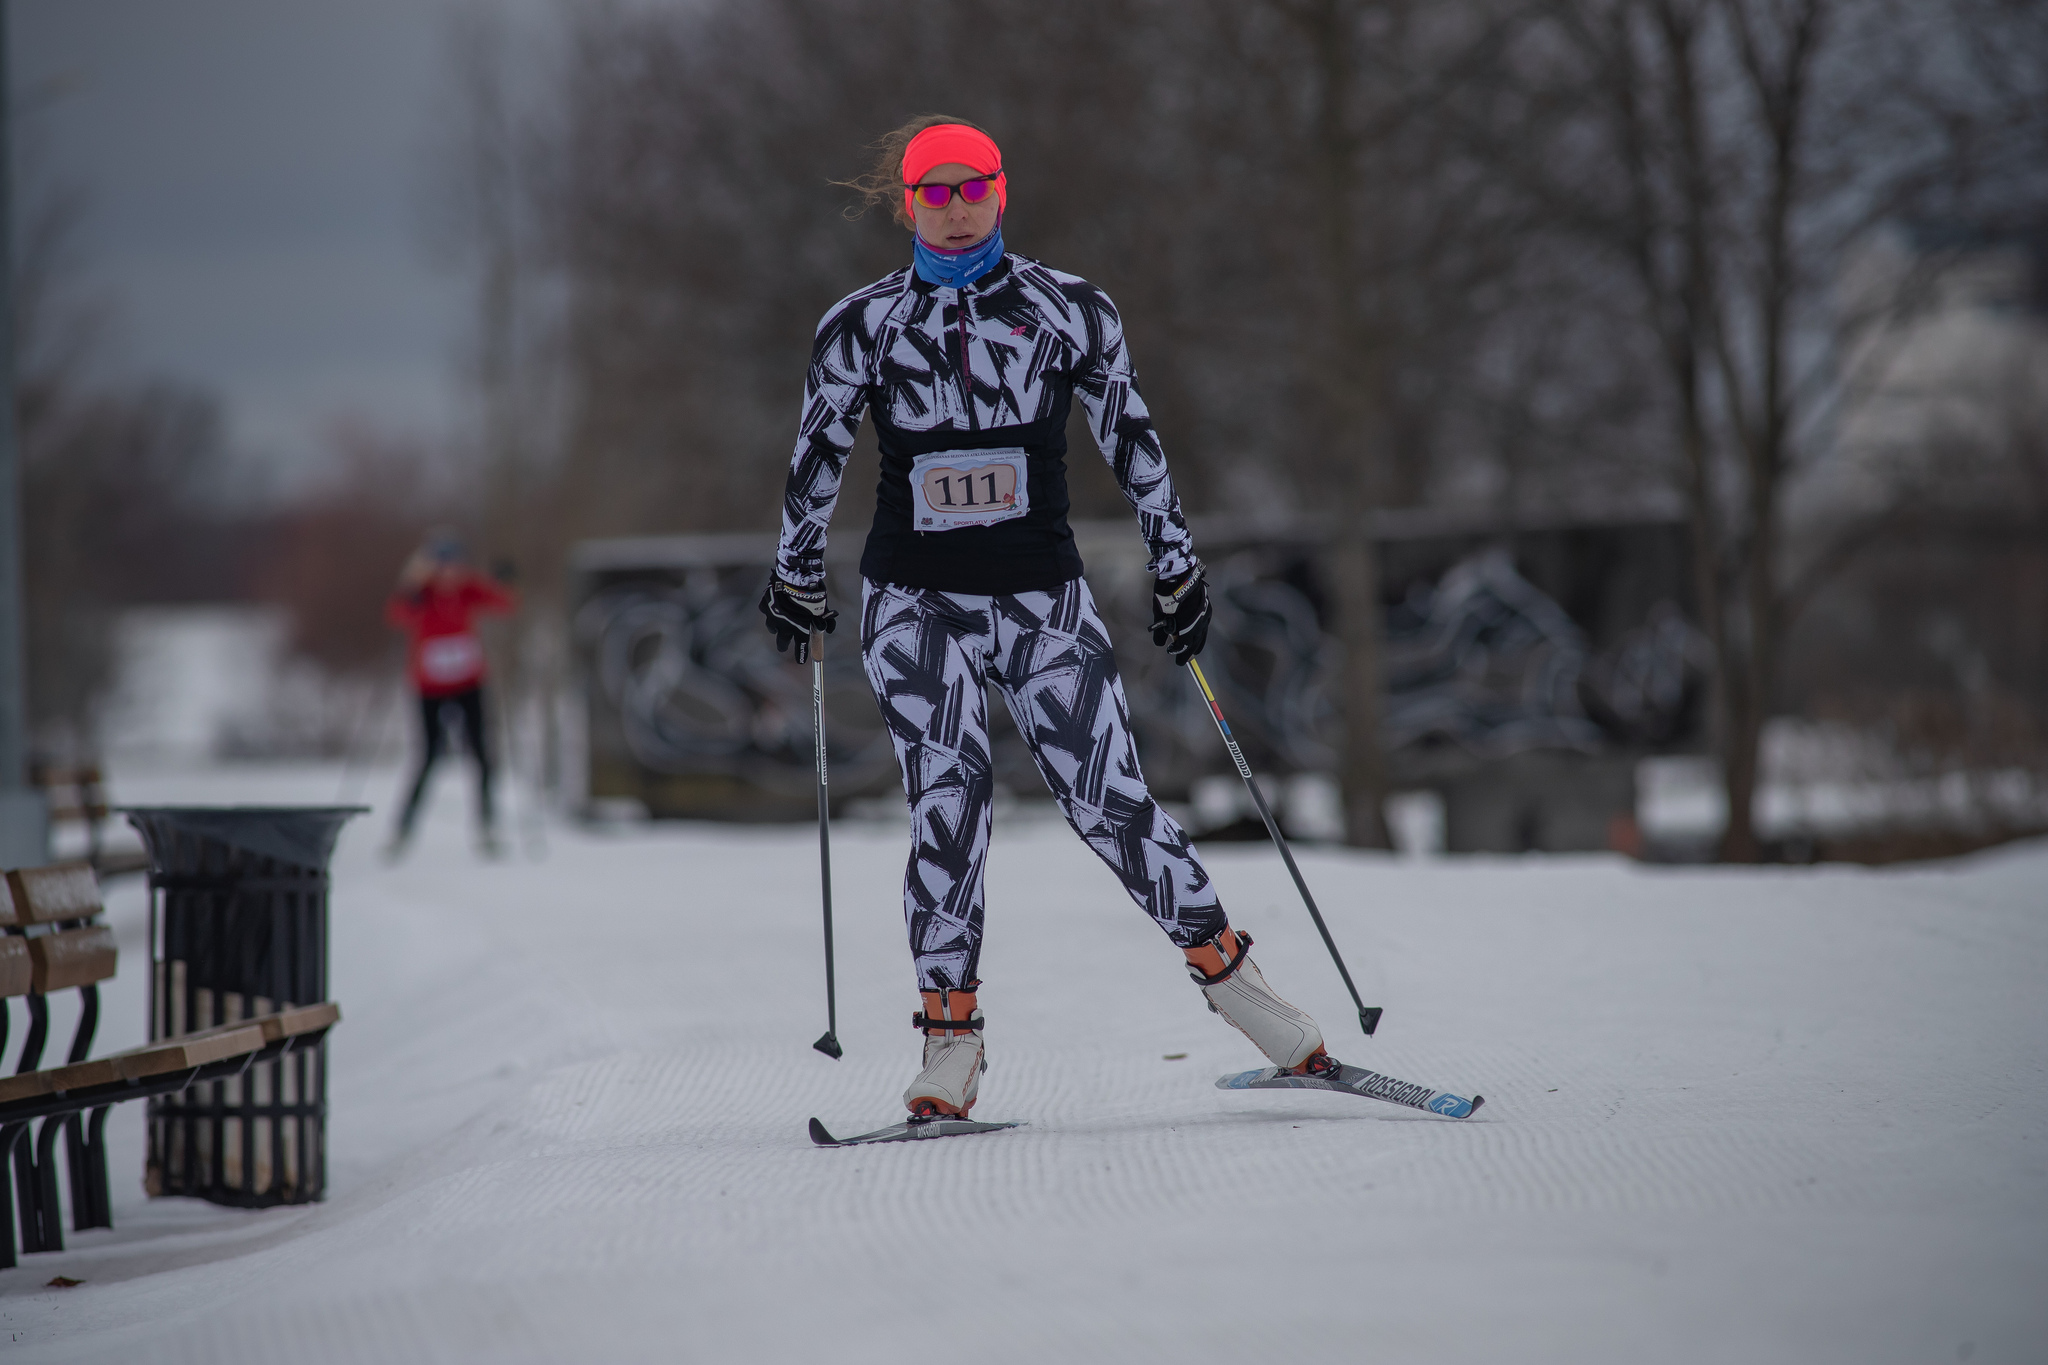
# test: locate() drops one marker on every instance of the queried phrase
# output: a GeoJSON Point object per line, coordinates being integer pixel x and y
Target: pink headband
{"type": "Point", "coordinates": [945, 143]}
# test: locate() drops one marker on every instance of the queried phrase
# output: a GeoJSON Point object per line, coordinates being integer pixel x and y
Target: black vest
{"type": "Point", "coordinates": [1032, 553]}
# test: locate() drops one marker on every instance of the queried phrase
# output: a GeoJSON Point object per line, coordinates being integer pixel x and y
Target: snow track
{"type": "Point", "coordinates": [1731, 1116]}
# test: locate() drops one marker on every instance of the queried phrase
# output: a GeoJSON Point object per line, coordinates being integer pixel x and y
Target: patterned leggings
{"type": "Point", "coordinates": [929, 656]}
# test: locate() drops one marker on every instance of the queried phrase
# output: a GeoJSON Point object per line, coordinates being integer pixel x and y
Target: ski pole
{"type": "Point", "coordinates": [1368, 1015]}
{"type": "Point", "coordinates": [527, 817]}
{"type": "Point", "coordinates": [829, 1044]}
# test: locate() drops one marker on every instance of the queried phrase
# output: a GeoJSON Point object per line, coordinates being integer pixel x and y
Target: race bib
{"type": "Point", "coordinates": [954, 488]}
{"type": "Point", "coordinates": [451, 658]}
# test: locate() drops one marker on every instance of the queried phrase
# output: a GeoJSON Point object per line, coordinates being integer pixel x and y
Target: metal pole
{"type": "Point", "coordinates": [829, 1044]}
{"type": "Point", "coordinates": [1368, 1015]}
{"type": "Point", "coordinates": [24, 823]}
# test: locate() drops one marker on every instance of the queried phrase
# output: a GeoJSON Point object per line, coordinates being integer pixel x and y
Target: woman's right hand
{"type": "Point", "coordinates": [793, 613]}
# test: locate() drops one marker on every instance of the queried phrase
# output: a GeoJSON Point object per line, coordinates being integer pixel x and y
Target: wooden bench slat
{"type": "Point", "coordinates": [72, 957]}
{"type": "Point", "coordinates": [183, 1053]}
{"type": "Point", "coordinates": [292, 1022]}
{"type": "Point", "coordinates": [57, 775]}
{"type": "Point", "coordinates": [24, 1086]}
{"type": "Point", "coordinates": [17, 971]}
{"type": "Point", "coordinates": [44, 895]}
{"type": "Point", "coordinates": [302, 1019]}
{"type": "Point", "coordinates": [77, 1076]}
{"type": "Point", "coordinates": [120, 863]}
{"type": "Point", "coordinates": [190, 1050]}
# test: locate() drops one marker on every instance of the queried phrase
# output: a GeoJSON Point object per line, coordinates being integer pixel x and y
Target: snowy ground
{"type": "Point", "coordinates": [1776, 1115]}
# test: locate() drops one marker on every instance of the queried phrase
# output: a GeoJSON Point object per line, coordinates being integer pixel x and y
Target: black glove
{"type": "Point", "coordinates": [793, 613]}
{"type": "Point", "coordinates": [1180, 614]}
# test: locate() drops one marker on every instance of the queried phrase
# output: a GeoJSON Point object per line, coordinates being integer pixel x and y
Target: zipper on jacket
{"type": "Point", "coordinates": [966, 377]}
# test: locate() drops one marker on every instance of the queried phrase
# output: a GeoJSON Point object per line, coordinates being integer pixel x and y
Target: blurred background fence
{"type": "Point", "coordinates": [1528, 672]}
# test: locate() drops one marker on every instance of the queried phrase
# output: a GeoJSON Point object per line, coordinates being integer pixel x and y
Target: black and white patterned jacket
{"type": "Point", "coordinates": [1033, 338]}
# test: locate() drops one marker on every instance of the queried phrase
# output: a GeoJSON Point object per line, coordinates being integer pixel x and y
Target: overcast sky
{"type": "Point", "coordinates": [255, 171]}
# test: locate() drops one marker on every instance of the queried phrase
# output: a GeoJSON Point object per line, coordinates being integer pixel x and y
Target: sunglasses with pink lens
{"type": "Point", "coordinates": [935, 196]}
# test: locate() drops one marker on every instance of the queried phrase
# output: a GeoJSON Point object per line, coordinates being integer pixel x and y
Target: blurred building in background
{"type": "Point", "coordinates": [1529, 671]}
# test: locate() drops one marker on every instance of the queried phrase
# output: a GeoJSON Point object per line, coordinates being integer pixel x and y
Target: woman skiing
{"type": "Point", "coordinates": [968, 360]}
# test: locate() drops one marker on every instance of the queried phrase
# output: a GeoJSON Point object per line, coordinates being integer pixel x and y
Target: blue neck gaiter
{"type": "Point", "coordinates": [951, 269]}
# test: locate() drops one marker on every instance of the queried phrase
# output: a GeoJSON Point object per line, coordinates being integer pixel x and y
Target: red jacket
{"type": "Point", "coordinates": [446, 656]}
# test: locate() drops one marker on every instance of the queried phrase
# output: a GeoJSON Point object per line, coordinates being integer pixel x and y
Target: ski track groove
{"type": "Point", "coordinates": [638, 1130]}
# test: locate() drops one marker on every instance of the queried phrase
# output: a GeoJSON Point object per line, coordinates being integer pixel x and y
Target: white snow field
{"type": "Point", "coordinates": [1732, 1115]}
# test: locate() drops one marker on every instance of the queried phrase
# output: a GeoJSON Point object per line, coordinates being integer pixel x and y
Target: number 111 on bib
{"type": "Point", "coordinates": [955, 488]}
{"type": "Point", "coordinates": [998, 488]}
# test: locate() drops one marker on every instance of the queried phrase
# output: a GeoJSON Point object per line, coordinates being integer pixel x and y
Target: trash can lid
{"type": "Point", "coordinates": [302, 835]}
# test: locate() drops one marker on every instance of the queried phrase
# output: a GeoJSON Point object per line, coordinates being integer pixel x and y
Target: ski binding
{"type": "Point", "coordinates": [910, 1130]}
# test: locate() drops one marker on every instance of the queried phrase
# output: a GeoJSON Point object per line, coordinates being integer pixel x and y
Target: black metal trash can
{"type": "Point", "coordinates": [238, 928]}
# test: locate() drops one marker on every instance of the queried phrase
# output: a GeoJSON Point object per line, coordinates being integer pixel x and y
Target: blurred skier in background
{"type": "Point", "coordinates": [968, 360]}
{"type": "Point", "coordinates": [438, 598]}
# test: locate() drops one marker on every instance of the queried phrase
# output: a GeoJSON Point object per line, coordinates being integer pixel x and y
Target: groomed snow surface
{"type": "Point", "coordinates": [1732, 1115]}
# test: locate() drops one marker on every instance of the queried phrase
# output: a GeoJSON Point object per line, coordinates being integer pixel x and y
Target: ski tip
{"type": "Point", "coordinates": [820, 1136]}
{"type": "Point", "coordinates": [829, 1045]}
{"type": "Point", "coordinates": [1477, 1100]}
{"type": "Point", "coordinates": [1369, 1018]}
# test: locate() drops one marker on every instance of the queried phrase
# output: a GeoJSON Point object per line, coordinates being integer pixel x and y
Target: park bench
{"type": "Point", "coordinates": [77, 794]}
{"type": "Point", "coordinates": [50, 942]}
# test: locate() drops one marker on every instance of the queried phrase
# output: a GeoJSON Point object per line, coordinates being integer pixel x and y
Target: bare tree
{"type": "Point", "coordinates": [121, 487]}
{"type": "Point", "coordinates": [1724, 155]}
{"type": "Point", "coordinates": [1382, 259]}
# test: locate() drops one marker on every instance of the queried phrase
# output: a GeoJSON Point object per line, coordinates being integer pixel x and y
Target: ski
{"type": "Point", "coordinates": [910, 1130]}
{"type": "Point", "coordinates": [1356, 1080]}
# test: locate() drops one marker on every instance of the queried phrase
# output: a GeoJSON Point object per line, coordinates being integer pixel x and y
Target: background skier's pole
{"type": "Point", "coordinates": [829, 1044]}
{"type": "Point", "coordinates": [526, 814]}
{"type": "Point", "coordinates": [375, 708]}
{"type": "Point", "coordinates": [1368, 1015]}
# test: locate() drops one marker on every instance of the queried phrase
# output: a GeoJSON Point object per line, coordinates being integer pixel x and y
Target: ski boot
{"type": "Point", "coordinates": [1237, 990]}
{"type": "Point", "coordinates": [953, 1060]}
